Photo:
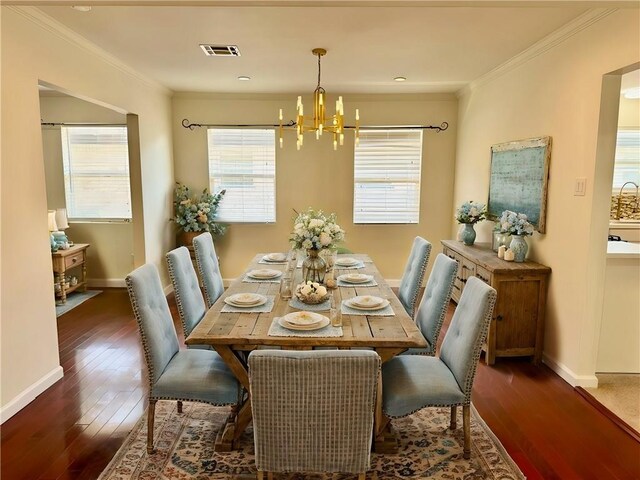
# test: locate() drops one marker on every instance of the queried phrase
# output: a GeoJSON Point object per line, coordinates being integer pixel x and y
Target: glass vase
{"type": "Point", "coordinates": [519, 248]}
{"type": "Point", "coordinates": [314, 267]}
{"type": "Point", "coordinates": [468, 234]}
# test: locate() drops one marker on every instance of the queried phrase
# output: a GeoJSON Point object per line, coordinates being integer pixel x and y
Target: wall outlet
{"type": "Point", "coordinates": [580, 187]}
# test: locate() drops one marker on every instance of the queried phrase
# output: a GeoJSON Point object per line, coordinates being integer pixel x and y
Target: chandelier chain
{"type": "Point", "coordinates": [319, 57]}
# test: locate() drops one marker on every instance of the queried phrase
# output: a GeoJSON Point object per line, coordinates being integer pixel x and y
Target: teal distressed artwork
{"type": "Point", "coordinates": [519, 172]}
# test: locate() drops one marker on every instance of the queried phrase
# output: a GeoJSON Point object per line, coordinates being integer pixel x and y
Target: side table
{"type": "Point", "coordinates": [65, 260]}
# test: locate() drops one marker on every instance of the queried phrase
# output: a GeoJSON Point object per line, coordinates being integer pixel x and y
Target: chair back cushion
{"type": "Point", "coordinates": [208, 267]}
{"type": "Point", "coordinates": [151, 310]}
{"type": "Point", "coordinates": [435, 300]}
{"type": "Point", "coordinates": [313, 410]}
{"type": "Point", "coordinates": [413, 274]}
{"type": "Point", "coordinates": [191, 305]}
{"type": "Point", "coordinates": [464, 338]}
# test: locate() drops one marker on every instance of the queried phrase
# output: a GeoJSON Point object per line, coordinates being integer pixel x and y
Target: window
{"type": "Point", "coordinates": [387, 176]}
{"type": "Point", "coordinates": [627, 166]}
{"type": "Point", "coordinates": [243, 162]}
{"type": "Point", "coordinates": [96, 173]}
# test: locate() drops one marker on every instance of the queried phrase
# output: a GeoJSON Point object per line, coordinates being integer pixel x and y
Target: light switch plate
{"type": "Point", "coordinates": [580, 187]}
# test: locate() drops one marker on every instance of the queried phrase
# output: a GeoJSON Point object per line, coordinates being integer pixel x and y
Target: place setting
{"type": "Point", "coordinates": [356, 279]}
{"type": "Point", "coordinates": [367, 305]}
{"type": "Point", "coordinates": [347, 263]}
{"type": "Point", "coordinates": [263, 275]}
{"type": "Point", "coordinates": [274, 259]}
{"type": "Point", "coordinates": [306, 324]}
{"type": "Point", "coordinates": [248, 302]}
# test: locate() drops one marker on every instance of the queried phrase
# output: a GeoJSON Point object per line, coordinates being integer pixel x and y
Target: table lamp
{"type": "Point", "coordinates": [63, 223]}
{"type": "Point", "coordinates": [53, 227]}
{"type": "Point", "coordinates": [60, 222]}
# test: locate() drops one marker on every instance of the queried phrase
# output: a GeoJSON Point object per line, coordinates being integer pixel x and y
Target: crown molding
{"type": "Point", "coordinates": [51, 25]}
{"type": "Point", "coordinates": [552, 40]}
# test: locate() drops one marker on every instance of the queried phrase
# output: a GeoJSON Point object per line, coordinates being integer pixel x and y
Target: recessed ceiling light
{"type": "Point", "coordinates": [244, 78]}
{"type": "Point", "coordinates": [400, 79]}
{"type": "Point", "coordinates": [82, 8]}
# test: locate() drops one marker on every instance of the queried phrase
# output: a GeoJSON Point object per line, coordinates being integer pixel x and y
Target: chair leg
{"type": "Point", "coordinates": [466, 426]}
{"type": "Point", "coordinates": [150, 417]}
{"type": "Point", "coordinates": [269, 475]}
{"type": "Point", "coordinates": [179, 406]}
{"type": "Point", "coordinates": [362, 476]}
{"type": "Point", "coordinates": [453, 424]}
{"type": "Point", "coordinates": [260, 475]}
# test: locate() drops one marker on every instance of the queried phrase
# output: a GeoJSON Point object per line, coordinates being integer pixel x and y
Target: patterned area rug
{"type": "Point", "coordinates": [184, 444]}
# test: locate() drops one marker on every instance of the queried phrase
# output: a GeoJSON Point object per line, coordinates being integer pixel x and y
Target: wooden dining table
{"type": "Point", "coordinates": [233, 335]}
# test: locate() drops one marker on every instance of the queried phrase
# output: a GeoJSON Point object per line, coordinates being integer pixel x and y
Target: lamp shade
{"type": "Point", "coordinates": [51, 218]}
{"type": "Point", "coordinates": [61, 218]}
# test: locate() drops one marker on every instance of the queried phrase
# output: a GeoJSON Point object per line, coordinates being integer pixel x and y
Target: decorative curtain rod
{"type": "Point", "coordinates": [438, 128]}
{"type": "Point", "coordinates": [56, 124]}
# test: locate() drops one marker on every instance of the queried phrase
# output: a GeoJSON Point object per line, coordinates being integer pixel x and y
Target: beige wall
{"type": "Point", "coordinates": [320, 177]}
{"type": "Point", "coordinates": [556, 93]}
{"type": "Point", "coordinates": [32, 52]}
{"type": "Point", "coordinates": [110, 257]}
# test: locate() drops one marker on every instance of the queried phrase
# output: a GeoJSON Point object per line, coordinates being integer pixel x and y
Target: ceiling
{"type": "Point", "coordinates": [438, 49]}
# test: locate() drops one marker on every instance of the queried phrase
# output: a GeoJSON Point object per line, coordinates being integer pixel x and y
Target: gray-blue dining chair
{"type": "Point", "coordinates": [313, 411]}
{"type": "Point", "coordinates": [208, 266]}
{"type": "Point", "coordinates": [174, 374]}
{"type": "Point", "coordinates": [434, 303]}
{"type": "Point", "coordinates": [413, 382]}
{"type": "Point", "coordinates": [186, 289]}
{"type": "Point", "coordinates": [413, 274]}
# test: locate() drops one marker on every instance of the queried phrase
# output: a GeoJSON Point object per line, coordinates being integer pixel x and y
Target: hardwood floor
{"type": "Point", "coordinates": [75, 427]}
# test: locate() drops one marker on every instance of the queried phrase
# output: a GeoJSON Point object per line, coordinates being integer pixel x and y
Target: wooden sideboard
{"type": "Point", "coordinates": [65, 260]}
{"type": "Point", "coordinates": [517, 327]}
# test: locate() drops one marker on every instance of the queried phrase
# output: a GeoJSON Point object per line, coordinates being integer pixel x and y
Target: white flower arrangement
{"type": "Point", "coordinates": [515, 223]}
{"type": "Point", "coordinates": [311, 292]}
{"type": "Point", "coordinates": [315, 230]}
{"type": "Point", "coordinates": [470, 212]}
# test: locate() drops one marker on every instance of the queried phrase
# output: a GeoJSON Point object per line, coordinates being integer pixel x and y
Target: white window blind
{"type": "Point", "coordinates": [627, 166]}
{"type": "Point", "coordinates": [387, 176]}
{"type": "Point", "coordinates": [96, 173]}
{"type": "Point", "coordinates": [243, 162]}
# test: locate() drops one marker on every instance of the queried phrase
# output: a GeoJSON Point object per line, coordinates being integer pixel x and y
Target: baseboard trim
{"type": "Point", "coordinates": [593, 401]}
{"type": "Point", "coordinates": [106, 283]}
{"type": "Point", "coordinates": [25, 397]}
{"type": "Point", "coordinates": [568, 375]}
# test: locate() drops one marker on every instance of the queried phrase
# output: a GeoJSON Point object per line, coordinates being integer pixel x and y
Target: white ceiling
{"type": "Point", "coordinates": [438, 49]}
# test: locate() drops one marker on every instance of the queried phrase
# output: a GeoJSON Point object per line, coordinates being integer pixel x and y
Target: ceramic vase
{"type": "Point", "coordinates": [314, 267]}
{"type": "Point", "coordinates": [468, 234]}
{"type": "Point", "coordinates": [519, 247]}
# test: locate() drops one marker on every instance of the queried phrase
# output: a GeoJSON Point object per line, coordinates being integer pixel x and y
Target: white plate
{"type": "Point", "coordinates": [303, 318]}
{"type": "Point", "coordinates": [315, 326]}
{"type": "Point", "coordinates": [359, 305]}
{"type": "Point", "coordinates": [245, 300]}
{"type": "Point", "coordinates": [367, 301]}
{"type": "Point", "coordinates": [355, 278]}
{"type": "Point", "coordinates": [346, 262]}
{"type": "Point", "coordinates": [275, 257]}
{"type": "Point", "coordinates": [264, 273]}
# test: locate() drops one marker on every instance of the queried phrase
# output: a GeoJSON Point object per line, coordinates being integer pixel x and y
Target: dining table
{"type": "Point", "coordinates": [233, 333]}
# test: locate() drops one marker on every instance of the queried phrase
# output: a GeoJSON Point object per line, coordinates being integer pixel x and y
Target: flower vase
{"type": "Point", "coordinates": [313, 267]}
{"type": "Point", "coordinates": [468, 234]}
{"type": "Point", "coordinates": [185, 239]}
{"type": "Point", "coordinates": [519, 248]}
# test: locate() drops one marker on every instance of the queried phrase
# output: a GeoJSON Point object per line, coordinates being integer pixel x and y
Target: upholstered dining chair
{"type": "Point", "coordinates": [174, 374]}
{"type": "Point", "coordinates": [413, 382]}
{"type": "Point", "coordinates": [413, 274]}
{"type": "Point", "coordinates": [313, 410]}
{"type": "Point", "coordinates": [208, 266]}
{"type": "Point", "coordinates": [186, 288]}
{"type": "Point", "coordinates": [435, 301]}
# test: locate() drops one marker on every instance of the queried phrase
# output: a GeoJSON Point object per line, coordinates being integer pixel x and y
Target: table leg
{"type": "Point", "coordinates": [241, 416]}
{"type": "Point", "coordinates": [63, 290]}
{"type": "Point", "coordinates": [384, 440]}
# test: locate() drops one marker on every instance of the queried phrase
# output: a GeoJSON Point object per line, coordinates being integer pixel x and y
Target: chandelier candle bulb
{"type": "Point", "coordinates": [280, 116]}
{"type": "Point", "coordinates": [341, 139]}
{"type": "Point", "coordinates": [335, 145]}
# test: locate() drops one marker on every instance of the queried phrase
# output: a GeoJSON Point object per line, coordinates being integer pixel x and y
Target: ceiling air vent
{"type": "Point", "coordinates": [220, 50]}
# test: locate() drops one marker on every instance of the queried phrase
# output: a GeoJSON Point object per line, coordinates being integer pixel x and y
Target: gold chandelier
{"type": "Point", "coordinates": [336, 122]}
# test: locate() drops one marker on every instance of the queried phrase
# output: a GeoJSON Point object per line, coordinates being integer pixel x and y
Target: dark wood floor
{"type": "Point", "coordinates": [75, 427]}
